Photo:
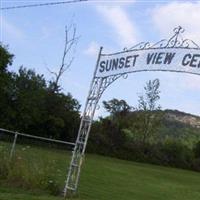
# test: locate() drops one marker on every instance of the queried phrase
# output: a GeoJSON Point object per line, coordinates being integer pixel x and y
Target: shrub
{"type": "Point", "coordinates": [27, 175]}
{"type": "Point", "coordinates": [4, 165]}
{"type": "Point", "coordinates": [196, 164]}
{"type": "Point", "coordinates": [197, 150]}
{"type": "Point", "coordinates": [174, 153]}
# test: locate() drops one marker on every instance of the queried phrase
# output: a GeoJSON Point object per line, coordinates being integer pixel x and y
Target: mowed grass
{"type": "Point", "coordinates": [104, 178]}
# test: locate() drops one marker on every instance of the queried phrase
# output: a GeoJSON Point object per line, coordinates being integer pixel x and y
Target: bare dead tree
{"type": "Point", "coordinates": [68, 56]}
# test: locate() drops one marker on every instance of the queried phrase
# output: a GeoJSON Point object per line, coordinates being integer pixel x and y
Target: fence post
{"type": "Point", "coordinates": [13, 146]}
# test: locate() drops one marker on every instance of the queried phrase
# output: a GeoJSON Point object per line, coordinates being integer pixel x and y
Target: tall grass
{"type": "Point", "coordinates": [43, 170]}
{"type": "Point", "coordinates": [29, 173]}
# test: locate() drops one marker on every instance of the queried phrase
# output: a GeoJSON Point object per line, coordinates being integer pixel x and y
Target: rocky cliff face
{"type": "Point", "coordinates": [182, 117]}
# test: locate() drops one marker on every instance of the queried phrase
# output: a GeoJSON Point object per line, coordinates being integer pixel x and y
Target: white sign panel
{"type": "Point", "coordinates": [169, 59]}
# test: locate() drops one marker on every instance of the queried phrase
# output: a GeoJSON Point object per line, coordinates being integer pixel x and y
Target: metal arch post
{"type": "Point", "coordinates": [83, 133]}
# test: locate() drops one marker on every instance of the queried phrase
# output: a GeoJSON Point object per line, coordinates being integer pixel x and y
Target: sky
{"type": "Point", "coordinates": [36, 37]}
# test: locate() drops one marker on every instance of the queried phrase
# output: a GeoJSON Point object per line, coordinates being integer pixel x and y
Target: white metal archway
{"type": "Point", "coordinates": [173, 55]}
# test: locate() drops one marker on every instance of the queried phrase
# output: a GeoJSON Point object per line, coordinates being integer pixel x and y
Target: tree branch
{"type": "Point", "coordinates": [69, 49]}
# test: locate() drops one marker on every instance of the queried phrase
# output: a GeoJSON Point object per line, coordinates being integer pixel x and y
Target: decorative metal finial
{"type": "Point", "coordinates": [176, 40]}
{"type": "Point", "coordinates": [179, 30]}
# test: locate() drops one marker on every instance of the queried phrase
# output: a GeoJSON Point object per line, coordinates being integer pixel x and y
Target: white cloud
{"type": "Point", "coordinates": [114, 2]}
{"type": "Point", "coordinates": [8, 29]}
{"type": "Point", "coordinates": [184, 82]}
{"type": "Point", "coordinates": [92, 49]}
{"type": "Point", "coordinates": [186, 14]}
{"type": "Point", "coordinates": [45, 32]}
{"type": "Point", "coordinates": [123, 27]}
{"type": "Point", "coordinates": [192, 82]}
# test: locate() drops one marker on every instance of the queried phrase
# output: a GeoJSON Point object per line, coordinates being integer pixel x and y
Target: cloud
{"type": "Point", "coordinates": [184, 82]}
{"type": "Point", "coordinates": [186, 14]}
{"type": "Point", "coordinates": [45, 32]}
{"type": "Point", "coordinates": [123, 27]}
{"type": "Point", "coordinates": [114, 2]}
{"type": "Point", "coordinates": [8, 29]}
{"type": "Point", "coordinates": [92, 49]}
{"type": "Point", "coordinates": [192, 83]}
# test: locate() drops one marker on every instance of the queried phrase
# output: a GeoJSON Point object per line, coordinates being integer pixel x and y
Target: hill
{"type": "Point", "coordinates": [182, 117]}
{"type": "Point", "coordinates": [175, 124]}
{"type": "Point", "coordinates": [180, 126]}
{"type": "Point", "coordinates": [105, 178]}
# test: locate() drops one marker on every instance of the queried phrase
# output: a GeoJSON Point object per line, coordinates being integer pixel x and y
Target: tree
{"type": "Point", "coordinates": [115, 107]}
{"type": "Point", "coordinates": [148, 117]}
{"type": "Point", "coordinates": [63, 110]}
{"type": "Point", "coordinates": [68, 54]}
{"type": "Point", "coordinates": [28, 92]}
{"type": "Point", "coordinates": [61, 116]}
{"type": "Point", "coordinates": [38, 111]}
{"type": "Point", "coordinates": [28, 104]}
{"type": "Point", "coordinates": [197, 150]}
{"type": "Point", "coordinates": [148, 102]}
{"type": "Point", "coordinates": [6, 58]}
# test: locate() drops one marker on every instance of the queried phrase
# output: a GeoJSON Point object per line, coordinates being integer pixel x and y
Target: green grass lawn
{"type": "Point", "coordinates": [104, 178]}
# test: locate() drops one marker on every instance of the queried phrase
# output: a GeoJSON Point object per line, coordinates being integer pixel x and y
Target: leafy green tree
{"type": "Point", "coordinates": [197, 150]}
{"type": "Point", "coordinates": [28, 104]}
{"type": "Point", "coordinates": [148, 101]}
{"type": "Point", "coordinates": [40, 111]}
{"type": "Point", "coordinates": [106, 135]}
{"type": "Point", "coordinates": [61, 115]}
{"type": "Point", "coordinates": [148, 118]}
{"type": "Point", "coordinates": [116, 106]}
{"type": "Point", "coordinates": [6, 59]}
{"type": "Point", "coordinates": [28, 95]}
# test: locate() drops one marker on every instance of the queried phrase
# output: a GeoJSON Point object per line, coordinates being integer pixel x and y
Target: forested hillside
{"type": "Point", "coordinates": [169, 139]}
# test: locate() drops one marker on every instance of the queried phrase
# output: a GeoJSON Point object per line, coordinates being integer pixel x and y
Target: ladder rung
{"type": "Point", "coordinates": [74, 165]}
{"type": "Point", "coordinates": [87, 120]}
{"type": "Point", "coordinates": [79, 142]}
{"type": "Point", "coordinates": [70, 188]}
{"type": "Point", "coordinates": [92, 98]}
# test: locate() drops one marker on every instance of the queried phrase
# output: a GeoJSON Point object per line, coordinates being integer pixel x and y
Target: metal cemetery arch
{"type": "Point", "coordinates": [174, 55]}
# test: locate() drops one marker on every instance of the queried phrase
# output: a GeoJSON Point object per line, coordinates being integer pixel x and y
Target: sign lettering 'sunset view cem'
{"type": "Point", "coordinates": [181, 60]}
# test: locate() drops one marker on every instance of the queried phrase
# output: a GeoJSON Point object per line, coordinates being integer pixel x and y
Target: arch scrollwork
{"type": "Point", "coordinates": [176, 41]}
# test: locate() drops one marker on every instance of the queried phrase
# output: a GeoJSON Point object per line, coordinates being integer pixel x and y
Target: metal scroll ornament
{"type": "Point", "coordinates": [176, 41]}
